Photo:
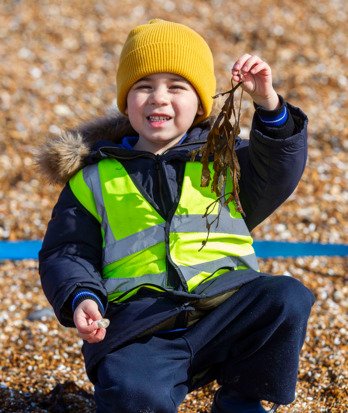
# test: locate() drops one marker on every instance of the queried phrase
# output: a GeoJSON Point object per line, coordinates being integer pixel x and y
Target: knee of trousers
{"type": "Point", "coordinates": [293, 298]}
{"type": "Point", "coordinates": [132, 397]}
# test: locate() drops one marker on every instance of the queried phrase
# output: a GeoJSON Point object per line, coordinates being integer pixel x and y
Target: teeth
{"type": "Point", "coordinates": [158, 118]}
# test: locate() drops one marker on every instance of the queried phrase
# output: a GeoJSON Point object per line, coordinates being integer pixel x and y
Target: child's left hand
{"type": "Point", "coordinates": [256, 76]}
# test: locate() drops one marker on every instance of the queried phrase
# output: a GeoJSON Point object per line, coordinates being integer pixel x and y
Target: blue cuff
{"type": "Point", "coordinates": [278, 120]}
{"type": "Point", "coordinates": [84, 295]}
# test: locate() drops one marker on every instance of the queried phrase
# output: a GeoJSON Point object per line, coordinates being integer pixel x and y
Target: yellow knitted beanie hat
{"type": "Point", "coordinates": [166, 47]}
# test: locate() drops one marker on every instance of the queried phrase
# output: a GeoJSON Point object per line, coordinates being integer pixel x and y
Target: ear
{"type": "Point", "coordinates": [200, 110]}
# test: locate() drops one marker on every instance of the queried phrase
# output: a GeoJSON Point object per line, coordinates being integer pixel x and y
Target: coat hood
{"type": "Point", "coordinates": [62, 156]}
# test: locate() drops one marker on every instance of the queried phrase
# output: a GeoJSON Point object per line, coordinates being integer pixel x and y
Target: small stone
{"type": "Point", "coordinates": [103, 323]}
{"type": "Point", "coordinates": [62, 110]}
{"type": "Point", "coordinates": [43, 313]}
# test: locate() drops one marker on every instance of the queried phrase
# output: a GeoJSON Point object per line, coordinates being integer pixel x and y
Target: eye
{"type": "Point", "coordinates": [178, 86]}
{"type": "Point", "coordinates": [140, 87]}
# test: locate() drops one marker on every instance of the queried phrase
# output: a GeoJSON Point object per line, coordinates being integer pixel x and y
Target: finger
{"type": "Point", "coordinates": [94, 313]}
{"type": "Point", "coordinates": [87, 328]}
{"type": "Point", "coordinates": [262, 66]}
{"type": "Point", "coordinates": [237, 77]}
{"type": "Point", "coordinates": [240, 62]}
{"type": "Point", "coordinates": [100, 335]}
{"type": "Point", "coordinates": [93, 328]}
{"type": "Point", "coordinates": [81, 322]}
{"type": "Point", "coordinates": [246, 78]}
{"type": "Point", "coordinates": [94, 337]}
{"type": "Point", "coordinates": [85, 319]}
{"type": "Point", "coordinates": [249, 63]}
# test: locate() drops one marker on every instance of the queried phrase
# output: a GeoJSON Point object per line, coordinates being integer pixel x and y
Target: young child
{"type": "Point", "coordinates": [125, 237]}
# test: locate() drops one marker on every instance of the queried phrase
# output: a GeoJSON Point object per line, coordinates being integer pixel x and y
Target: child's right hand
{"type": "Point", "coordinates": [86, 316]}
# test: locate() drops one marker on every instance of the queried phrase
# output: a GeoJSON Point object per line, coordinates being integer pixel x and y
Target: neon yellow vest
{"type": "Point", "coordinates": [138, 241]}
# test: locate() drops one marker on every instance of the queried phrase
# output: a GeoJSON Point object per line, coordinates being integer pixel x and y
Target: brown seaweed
{"type": "Point", "coordinates": [220, 147]}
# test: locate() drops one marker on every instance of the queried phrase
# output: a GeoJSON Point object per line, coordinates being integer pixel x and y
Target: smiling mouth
{"type": "Point", "coordinates": [158, 118]}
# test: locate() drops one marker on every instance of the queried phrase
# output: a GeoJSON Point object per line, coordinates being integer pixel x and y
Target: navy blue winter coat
{"type": "Point", "coordinates": [272, 162]}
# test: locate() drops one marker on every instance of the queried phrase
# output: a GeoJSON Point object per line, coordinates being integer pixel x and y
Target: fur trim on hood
{"type": "Point", "coordinates": [61, 156]}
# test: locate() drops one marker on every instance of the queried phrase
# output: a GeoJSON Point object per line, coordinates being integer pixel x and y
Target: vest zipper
{"type": "Point", "coordinates": [172, 263]}
{"type": "Point", "coordinates": [167, 228]}
{"type": "Point", "coordinates": [168, 215]}
{"type": "Point", "coordinates": [160, 184]}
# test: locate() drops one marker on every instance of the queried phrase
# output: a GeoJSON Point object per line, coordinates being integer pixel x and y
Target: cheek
{"type": "Point", "coordinates": [195, 105]}
{"type": "Point", "coordinates": [133, 106]}
{"type": "Point", "coordinates": [190, 108]}
{"type": "Point", "coordinates": [129, 103]}
{"type": "Point", "coordinates": [135, 101]}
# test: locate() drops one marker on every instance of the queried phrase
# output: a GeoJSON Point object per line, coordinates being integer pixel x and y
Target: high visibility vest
{"type": "Point", "coordinates": [138, 242]}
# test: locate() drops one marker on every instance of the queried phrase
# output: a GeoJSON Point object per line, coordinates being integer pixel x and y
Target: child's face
{"type": "Point", "coordinates": [161, 108]}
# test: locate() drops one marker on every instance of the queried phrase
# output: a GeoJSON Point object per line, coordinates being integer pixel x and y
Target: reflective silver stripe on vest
{"type": "Point", "coordinates": [126, 284]}
{"type": "Point", "coordinates": [197, 223]}
{"type": "Point", "coordinates": [250, 261]}
{"type": "Point", "coordinates": [134, 243]}
{"type": "Point", "coordinates": [230, 262]}
{"type": "Point", "coordinates": [91, 177]}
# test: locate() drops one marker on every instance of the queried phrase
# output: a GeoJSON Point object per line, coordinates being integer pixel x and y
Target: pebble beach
{"type": "Point", "coordinates": [58, 62]}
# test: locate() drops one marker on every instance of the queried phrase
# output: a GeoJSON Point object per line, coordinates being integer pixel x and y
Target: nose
{"type": "Point", "coordinates": [159, 97]}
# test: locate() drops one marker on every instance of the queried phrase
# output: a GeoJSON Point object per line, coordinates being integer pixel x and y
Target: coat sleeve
{"type": "Point", "coordinates": [70, 257]}
{"type": "Point", "coordinates": [271, 167]}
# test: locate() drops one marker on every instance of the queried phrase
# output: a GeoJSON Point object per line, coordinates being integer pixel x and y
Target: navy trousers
{"type": "Point", "coordinates": [249, 344]}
